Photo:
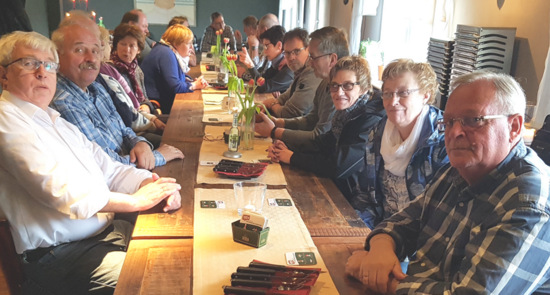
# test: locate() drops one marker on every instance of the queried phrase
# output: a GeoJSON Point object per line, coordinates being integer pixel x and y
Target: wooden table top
{"type": "Point", "coordinates": [332, 222]}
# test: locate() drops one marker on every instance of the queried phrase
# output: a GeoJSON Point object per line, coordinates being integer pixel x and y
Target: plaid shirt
{"type": "Point", "coordinates": [209, 38]}
{"type": "Point", "coordinates": [490, 238]}
{"type": "Point", "coordinates": [95, 115]}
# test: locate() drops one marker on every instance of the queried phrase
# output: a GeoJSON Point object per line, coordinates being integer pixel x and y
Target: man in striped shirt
{"type": "Point", "coordinates": [481, 227]}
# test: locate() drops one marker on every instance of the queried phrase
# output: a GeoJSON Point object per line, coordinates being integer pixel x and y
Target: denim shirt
{"type": "Point", "coordinates": [95, 115]}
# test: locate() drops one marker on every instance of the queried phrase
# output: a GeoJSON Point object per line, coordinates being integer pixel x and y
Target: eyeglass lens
{"type": "Point", "coordinates": [348, 86]}
{"type": "Point", "coordinates": [400, 94]}
{"type": "Point", "coordinates": [317, 57]}
{"type": "Point", "coordinates": [294, 52]}
{"type": "Point", "coordinates": [466, 122]}
{"type": "Point", "coordinates": [31, 64]}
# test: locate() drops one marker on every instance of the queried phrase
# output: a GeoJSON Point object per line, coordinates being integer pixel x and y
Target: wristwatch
{"type": "Point", "coordinates": [273, 132]}
{"type": "Point", "coordinates": [253, 47]}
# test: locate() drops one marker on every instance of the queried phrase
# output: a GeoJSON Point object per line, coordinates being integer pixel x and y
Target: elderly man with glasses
{"type": "Point", "coordinates": [326, 47]}
{"type": "Point", "coordinates": [482, 224]}
{"type": "Point", "coordinates": [298, 99]}
{"type": "Point", "coordinates": [58, 190]}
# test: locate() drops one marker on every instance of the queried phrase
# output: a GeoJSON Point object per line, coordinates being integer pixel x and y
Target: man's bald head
{"type": "Point", "coordinates": [266, 22]}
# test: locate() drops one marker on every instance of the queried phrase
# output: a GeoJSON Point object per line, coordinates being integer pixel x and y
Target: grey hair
{"type": "Point", "coordinates": [267, 21]}
{"type": "Point", "coordinates": [27, 39]}
{"type": "Point", "coordinates": [332, 40]}
{"type": "Point", "coordinates": [509, 95]}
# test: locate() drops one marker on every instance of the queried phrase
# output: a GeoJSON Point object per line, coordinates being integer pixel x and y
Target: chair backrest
{"type": "Point", "coordinates": [541, 141]}
{"type": "Point", "coordinates": [9, 260]}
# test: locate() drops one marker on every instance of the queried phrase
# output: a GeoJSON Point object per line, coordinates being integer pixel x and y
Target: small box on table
{"type": "Point", "coordinates": [249, 235]}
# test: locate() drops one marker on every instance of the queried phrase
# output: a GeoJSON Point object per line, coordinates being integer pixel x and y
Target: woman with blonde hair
{"type": "Point", "coordinates": [406, 149]}
{"type": "Point", "coordinates": [164, 67]}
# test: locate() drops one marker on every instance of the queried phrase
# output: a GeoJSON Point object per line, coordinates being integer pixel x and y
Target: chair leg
{"type": "Point", "coordinates": [9, 260]}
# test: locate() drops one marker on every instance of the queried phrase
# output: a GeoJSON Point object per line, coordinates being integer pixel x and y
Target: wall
{"type": "Point", "coordinates": [39, 20]}
{"type": "Point", "coordinates": [234, 12]}
{"type": "Point", "coordinates": [531, 18]}
{"type": "Point", "coordinates": [340, 14]}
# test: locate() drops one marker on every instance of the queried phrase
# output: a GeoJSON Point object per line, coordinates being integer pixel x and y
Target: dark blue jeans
{"type": "Point", "coordinates": [90, 266]}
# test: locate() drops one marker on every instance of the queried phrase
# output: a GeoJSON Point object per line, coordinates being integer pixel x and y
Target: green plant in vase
{"type": "Point", "coordinates": [248, 113]}
{"type": "Point", "coordinates": [234, 83]}
{"type": "Point", "coordinates": [216, 50]}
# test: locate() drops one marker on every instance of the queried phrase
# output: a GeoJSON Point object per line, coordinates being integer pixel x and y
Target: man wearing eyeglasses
{"type": "Point", "coordinates": [58, 190]}
{"type": "Point", "coordinates": [209, 37]}
{"type": "Point", "coordinates": [326, 47]}
{"type": "Point", "coordinates": [481, 227]}
{"type": "Point", "coordinates": [277, 74]}
{"type": "Point", "coordinates": [298, 99]}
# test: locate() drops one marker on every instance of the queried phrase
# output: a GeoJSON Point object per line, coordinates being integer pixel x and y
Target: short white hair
{"type": "Point", "coordinates": [509, 95]}
{"type": "Point", "coordinates": [26, 39]}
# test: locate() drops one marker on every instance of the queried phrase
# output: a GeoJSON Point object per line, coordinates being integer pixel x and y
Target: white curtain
{"type": "Point", "coordinates": [355, 26]}
{"type": "Point", "coordinates": [360, 8]}
{"type": "Point", "coordinates": [442, 27]}
{"type": "Point", "coordinates": [405, 24]}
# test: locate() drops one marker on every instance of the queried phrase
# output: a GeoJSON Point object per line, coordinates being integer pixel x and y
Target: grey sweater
{"type": "Point", "coordinates": [298, 99]}
{"type": "Point", "coordinates": [300, 132]}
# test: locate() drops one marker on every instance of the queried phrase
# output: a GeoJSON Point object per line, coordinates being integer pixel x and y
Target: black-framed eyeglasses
{"type": "Point", "coordinates": [294, 52]}
{"type": "Point", "coordinates": [399, 94]}
{"type": "Point", "coordinates": [348, 86]}
{"type": "Point", "coordinates": [467, 122]}
{"type": "Point", "coordinates": [317, 57]}
{"type": "Point", "coordinates": [32, 64]}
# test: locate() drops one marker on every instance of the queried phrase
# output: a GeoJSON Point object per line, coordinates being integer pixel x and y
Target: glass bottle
{"type": "Point", "coordinates": [233, 142]}
{"type": "Point", "coordinates": [101, 22]}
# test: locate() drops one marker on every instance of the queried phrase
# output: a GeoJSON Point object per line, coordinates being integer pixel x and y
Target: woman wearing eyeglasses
{"type": "Point", "coordinates": [341, 151]}
{"type": "Point", "coordinates": [406, 149]}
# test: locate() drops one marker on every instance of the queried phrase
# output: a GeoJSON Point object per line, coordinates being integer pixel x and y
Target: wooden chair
{"type": "Point", "coordinates": [11, 267]}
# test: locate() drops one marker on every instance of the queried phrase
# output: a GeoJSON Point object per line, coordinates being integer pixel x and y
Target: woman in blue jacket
{"type": "Point", "coordinates": [406, 149]}
{"type": "Point", "coordinates": [164, 67]}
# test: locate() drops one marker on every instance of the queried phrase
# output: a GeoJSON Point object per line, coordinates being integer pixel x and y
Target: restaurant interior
{"type": "Point", "coordinates": [192, 249]}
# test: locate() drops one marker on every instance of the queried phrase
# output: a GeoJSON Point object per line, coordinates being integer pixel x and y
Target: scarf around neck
{"type": "Point", "coordinates": [130, 70]}
{"type": "Point", "coordinates": [182, 61]}
{"type": "Point", "coordinates": [396, 152]}
{"type": "Point", "coordinates": [342, 117]}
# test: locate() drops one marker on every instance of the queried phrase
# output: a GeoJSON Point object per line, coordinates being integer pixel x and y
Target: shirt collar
{"type": "Point", "coordinates": [28, 108]}
{"type": "Point", "coordinates": [491, 179]}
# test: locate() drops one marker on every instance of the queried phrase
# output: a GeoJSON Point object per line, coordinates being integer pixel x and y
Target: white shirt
{"type": "Point", "coordinates": [53, 180]}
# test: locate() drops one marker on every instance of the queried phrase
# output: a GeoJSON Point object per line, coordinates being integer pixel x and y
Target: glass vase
{"type": "Point", "coordinates": [233, 103]}
{"type": "Point", "coordinates": [247, 133]}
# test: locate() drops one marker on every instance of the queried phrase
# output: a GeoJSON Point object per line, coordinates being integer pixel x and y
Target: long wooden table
{"type": "Point", "coordinates": [159, 259]}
